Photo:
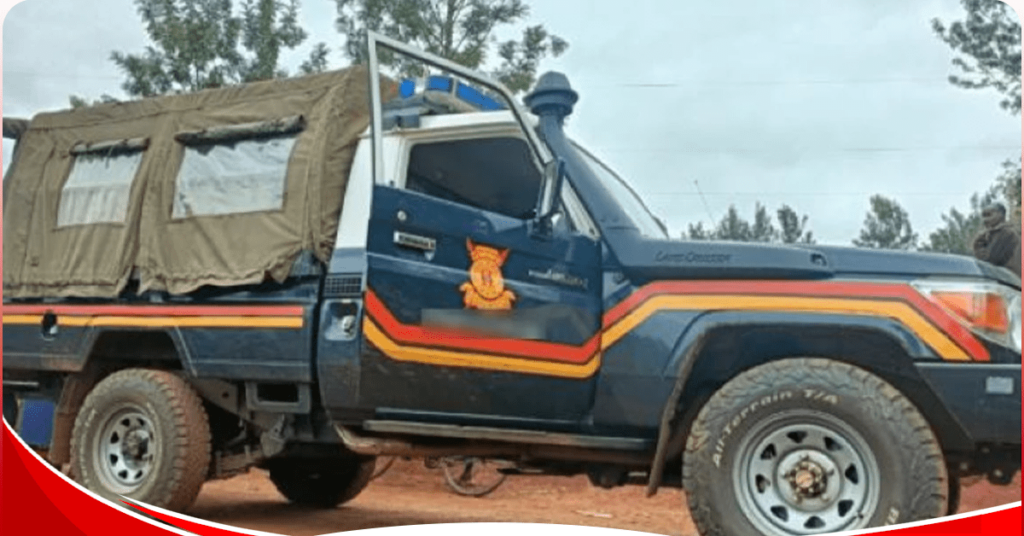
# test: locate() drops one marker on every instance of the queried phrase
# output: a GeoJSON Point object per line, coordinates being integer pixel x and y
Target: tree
{"type": "Point", "coordinates": [80, 102]}
{"type": "Point", "coordinates": [195, 47]}
{"type": "Point", "coordinates": [793, 227]}
{"type": "Point", "coordinates": [199, 44]}
{"type": "Point", "coordinates": [317, 61]}
{"type": "Point", "coordinates": [267, 27]}
{"type": "Point", "coordinates": [1009, 186]}
{"type": "Point", "coordinates": [698, 232]}
{"type": "Point", "coordinates": [733, 227]}
{"type": "Point", "coordinates": [987, 43]}
{"type": "Point", "coordinates": [886, 226]}
{"type": "Point", "coordinates": [763, 230]}
{"type": "Point", "coordinates": [459, 30]}
{"type": "Point", "coordinates": [959, 230]}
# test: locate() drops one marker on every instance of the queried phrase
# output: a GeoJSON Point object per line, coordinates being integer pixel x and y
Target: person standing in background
{"type": "Point", "coordinates": [998, 243]}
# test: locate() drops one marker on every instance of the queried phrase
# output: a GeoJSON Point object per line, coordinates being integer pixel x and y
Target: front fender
{"type": "Point", "coordinates": [716, 347]}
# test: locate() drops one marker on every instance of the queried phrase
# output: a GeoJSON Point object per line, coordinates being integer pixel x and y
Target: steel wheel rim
{"type": "Point", "coordinates": [125, 450]}
{"type": "Point", "coordinates": [805, 472]}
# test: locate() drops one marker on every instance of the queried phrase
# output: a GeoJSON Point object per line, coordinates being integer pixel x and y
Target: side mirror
{"type": "Point", "coordinates": [551, 188]}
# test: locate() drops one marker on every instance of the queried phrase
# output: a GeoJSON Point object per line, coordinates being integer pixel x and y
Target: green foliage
{"type": "Point", "coordinates": [791, 230]}
{"type": "Point", "coordinates": [80, 102]}
{"type": "Point", "coordinates": [1008, 184]}
{"type": "Point", "coordinates": [792, 227]}
{"type": "Point", "coordinates": [317, 61]}
{"type": "Point", "coordinates": [195, 47]}
{"type": "Point", "coordinates": [988, 47]}
{"type": "Point", "coordinates": [959, 229]}
{"type": "Point", "coordinates": [267, 27]}
{"type": "Point", "coordinates": [199, 44]}
{"type": "Point", "coordinates": [763, 230]}
{"type": "Point", "coordinates": [987, 43]}
{"type": "Point", "coordinates": [459, 30]}
{"type": "Point", "coordinates": [886, 226]}
{"type": "Point", "coordinates": [698, 232]}
{"type": "Point", "coordinates": [733, 227]}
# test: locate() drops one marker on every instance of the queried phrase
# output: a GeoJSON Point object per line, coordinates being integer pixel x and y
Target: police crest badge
{"type": "Point", "coordinates": [486, 286]}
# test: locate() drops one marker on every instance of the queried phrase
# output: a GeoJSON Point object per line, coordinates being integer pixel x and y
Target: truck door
{"type": "Point", "coordinates": [471, 315]}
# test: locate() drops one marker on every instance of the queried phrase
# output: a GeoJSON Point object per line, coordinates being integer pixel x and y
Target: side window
{"type": "Point", "coordinates": [100, 183]}
{"type": "Point", "coordinates": [234, 170]}
{"type": "Point", "coordinates": [493, 174]}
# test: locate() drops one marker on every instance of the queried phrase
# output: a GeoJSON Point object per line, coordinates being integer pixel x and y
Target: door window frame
{"type": "Point", "coordinates": [577, 214]}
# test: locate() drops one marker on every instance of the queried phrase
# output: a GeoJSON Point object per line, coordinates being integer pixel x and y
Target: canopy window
{"type": "Point", "coordinates": [99, 185]}
{"type": "Point", "coordinates": [236, 169]}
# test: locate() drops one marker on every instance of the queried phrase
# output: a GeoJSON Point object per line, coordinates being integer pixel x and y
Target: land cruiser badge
{"type": "Point", "coordinates": [486, 286]}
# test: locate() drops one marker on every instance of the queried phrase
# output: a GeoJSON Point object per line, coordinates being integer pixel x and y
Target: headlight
{"type": "Point", "coordinates": [989, 309]}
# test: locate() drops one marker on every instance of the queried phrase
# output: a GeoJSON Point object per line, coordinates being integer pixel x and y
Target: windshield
{"type": "Point", "coordinates": [632, 205]}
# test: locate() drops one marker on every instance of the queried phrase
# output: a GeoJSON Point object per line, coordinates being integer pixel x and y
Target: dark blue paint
{"type": "Point", "coordinates": [35, 421]}
{"type": "Point", "coordinates": [471, 397]}
{"type": "Point", "coordinates": [986, 417]}
{"type": "Point", "coordinates": [338, 359]}
{"type": "Point", "coordinates": [413, 284]}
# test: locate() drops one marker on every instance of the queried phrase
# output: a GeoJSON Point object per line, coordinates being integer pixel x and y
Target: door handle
{"type": "Point", "coordinates": [421, 243]}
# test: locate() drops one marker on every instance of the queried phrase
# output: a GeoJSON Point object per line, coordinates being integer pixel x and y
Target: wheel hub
{"type": "Point", "coordinates": [136, 444]}
{"type": "Point", "coordinates": [806, 479]}
{"type": "Point", "coordinates": [126, 453]}
{"type": "Point", "coordinates": [810, 475]}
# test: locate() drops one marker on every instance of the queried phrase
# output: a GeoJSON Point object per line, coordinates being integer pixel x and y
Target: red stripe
{"type": "Point", "coordinates": [456, 340]}
{"type": "Point", "coordinates": [155, 310]}
{"type": "Point", "coordinates": [935, 314]}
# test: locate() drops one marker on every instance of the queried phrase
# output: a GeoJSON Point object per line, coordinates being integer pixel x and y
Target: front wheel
{"type": "Point", "coordinates": [809, 446]}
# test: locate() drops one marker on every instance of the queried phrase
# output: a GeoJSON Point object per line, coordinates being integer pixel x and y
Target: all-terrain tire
{"type": "Point", "coordinates": [801, 446]}
{"type": "Point", "coordinates": [321, 482]}
{"type": "Point", "coordinates": [142, 434]}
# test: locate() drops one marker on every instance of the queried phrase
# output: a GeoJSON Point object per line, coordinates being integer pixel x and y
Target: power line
{"type": "Point", "coordinates": [64, 76]}
{"type": "Point", "coordinates": [848, 82]}
{"type": "Point", "coordinates": [705, 201]}
{"type": "Point", "coordinates": [984, 148]}
{"type": "Point", "coordinates": [816, 194]}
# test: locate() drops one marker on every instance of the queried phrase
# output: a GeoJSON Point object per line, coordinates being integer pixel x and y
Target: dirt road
{"type": "Point", "coordinates": [408, 494]}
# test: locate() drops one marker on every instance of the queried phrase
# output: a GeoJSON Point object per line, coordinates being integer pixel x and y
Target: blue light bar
{"type": "Point", "coordinates": [439, 83]}
{"type": "Point", "coordinates": [477, 98]}
{"type": "Point", "coordinates": [408, 88]}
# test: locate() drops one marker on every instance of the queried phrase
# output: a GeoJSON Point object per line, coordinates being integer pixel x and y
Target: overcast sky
{"type": "Point", "coordinates": [814, 103]}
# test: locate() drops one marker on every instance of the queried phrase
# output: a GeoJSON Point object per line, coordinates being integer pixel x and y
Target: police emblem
{"type": "Point", "coordinates": [486, 286]}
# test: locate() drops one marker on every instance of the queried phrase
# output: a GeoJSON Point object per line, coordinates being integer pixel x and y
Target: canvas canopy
{"type": "Point", "coordinates": [220, 187]}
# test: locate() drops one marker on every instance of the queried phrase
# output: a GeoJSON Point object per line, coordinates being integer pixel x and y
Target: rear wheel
{"type": "Point", "coordinates": [321, 482]}
{"type": "Point", "coordinates": [808, 446]}
{"type": "Point", "coordinates": [142, 434]}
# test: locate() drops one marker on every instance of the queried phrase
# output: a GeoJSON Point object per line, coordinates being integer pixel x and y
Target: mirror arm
{"type": "Point", "coordinates": [549, 203]}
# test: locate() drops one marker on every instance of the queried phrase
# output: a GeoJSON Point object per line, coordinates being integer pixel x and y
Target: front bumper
{"type": "Point", "coordinates": [984, 398]}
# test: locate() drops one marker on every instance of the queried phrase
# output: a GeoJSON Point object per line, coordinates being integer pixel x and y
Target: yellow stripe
{"type": "Point", "coordinates": [470, 360]}
{"type": "Point", "coordinates": [166, 321]}
{"type": "Point", "coordinates": [900, 311]}
{"type": "Point", "coordinates": [23, 319]}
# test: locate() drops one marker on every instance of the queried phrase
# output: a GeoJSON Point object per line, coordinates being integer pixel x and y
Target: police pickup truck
{"type": "Point", "coordinates": [305, 274]}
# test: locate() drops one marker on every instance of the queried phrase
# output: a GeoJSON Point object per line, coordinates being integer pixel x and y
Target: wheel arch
{"type": "Point", "coordinates": [719, 346]}
{"type": "Point", "coordinates": [106, 352]}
